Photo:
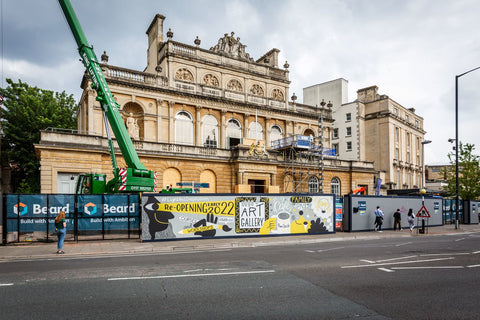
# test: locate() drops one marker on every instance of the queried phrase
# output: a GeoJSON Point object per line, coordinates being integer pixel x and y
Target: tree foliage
{"type": "Point", "coordinates": [25, 112]}
{"type": "Point", "coordinates": [468, 173]}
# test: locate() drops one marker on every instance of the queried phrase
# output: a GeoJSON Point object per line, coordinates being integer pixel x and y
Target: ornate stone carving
{"type": "Point", "coordinates": [232, 47]}
{"type": "Point", "coordinates": [210, 80]}
{"type": "Point", "coordinates": [257, 90]}
{"type": "Point", "coordinates": [234, 85]}
{"type": "Point", "coordinates": [184, 75]}
{"type": "Point", "coordinates": [277, 94]}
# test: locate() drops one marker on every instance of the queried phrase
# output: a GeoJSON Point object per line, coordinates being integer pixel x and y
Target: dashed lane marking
{"type": "Point", "coordinates": [385, 269]}
{"type": "Point", "coordinates": [193, 275]}
{"type": "Point", "coordinates": [397, 262]}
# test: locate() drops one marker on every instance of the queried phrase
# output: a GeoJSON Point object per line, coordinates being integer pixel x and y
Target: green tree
{"type": "Point", "coordinates": [25, 112]}
{"type": "Point", "coordinates": [468, 173]}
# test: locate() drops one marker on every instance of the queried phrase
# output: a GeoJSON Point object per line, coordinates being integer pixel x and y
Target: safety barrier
{"type": "Point", "coordinates": [28, 217]}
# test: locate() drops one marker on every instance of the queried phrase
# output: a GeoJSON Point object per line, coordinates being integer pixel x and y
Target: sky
{"type": "Point", "coordinates": [411, 49]}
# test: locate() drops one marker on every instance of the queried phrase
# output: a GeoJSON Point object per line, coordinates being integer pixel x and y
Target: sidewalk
{"type": "Point", "coordinates": [39, 250]}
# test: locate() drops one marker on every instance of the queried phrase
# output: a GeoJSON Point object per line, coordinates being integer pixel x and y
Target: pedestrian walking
{"type": "Point", "coordinates": [61, 229]}
{"type": "Point", "coordinates": [397, 220]}
{"type": "Point", "coordinates": [411, 219]}
{"type": "Point", "coordinates": [378, 219]}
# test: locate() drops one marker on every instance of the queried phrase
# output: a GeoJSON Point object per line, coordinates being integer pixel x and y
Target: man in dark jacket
{"type": "Point", "coordinates": [397, 216]}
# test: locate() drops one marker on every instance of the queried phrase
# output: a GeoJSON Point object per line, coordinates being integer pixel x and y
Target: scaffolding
{"type": "Point", "coordinates": [302, 160]}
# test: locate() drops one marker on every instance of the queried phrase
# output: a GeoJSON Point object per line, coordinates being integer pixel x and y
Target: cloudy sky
{"type": "Point", "coordinates": [410, 49]}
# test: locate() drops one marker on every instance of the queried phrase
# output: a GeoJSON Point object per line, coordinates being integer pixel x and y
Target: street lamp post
{"type": "Point", "coordinates": [424, 142]}
{"type": "Point", "coordinates": [456, 143]}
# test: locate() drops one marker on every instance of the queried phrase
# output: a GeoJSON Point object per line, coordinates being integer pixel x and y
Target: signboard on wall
{"type": "Point", "coordinates": [173, 216]}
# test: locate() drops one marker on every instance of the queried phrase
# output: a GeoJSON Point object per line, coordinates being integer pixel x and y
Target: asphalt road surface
{"type": "Point", "coordinates": [435, 277]}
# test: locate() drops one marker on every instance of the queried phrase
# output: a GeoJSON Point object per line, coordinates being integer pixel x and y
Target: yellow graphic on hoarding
{"type": "Point", "coordinates": [199, 229]}
{"type": "Point", "coordinates": [218, 208]}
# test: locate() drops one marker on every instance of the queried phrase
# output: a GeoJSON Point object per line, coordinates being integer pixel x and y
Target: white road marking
{"type": "Point", "coordinates": [474, 266]}
{"type": "Point", "coordinates": [323, 250]}
{"type": "Point", "coordinates": [402, 244]}
{"type": "Point", "coordinates": [386, 270]}
{"type": "Point", "coordinates": [476, 252]}
{"type": "Point", "coordinates": [399, 262]}
{"type": "Point", "coordinates": [192, 275]}
{"type": "Point", "coordinates": [408, 257]}
{"type": "Point", "coordinates": [438, 267]}
{"type": "Point", "coordinates": [460, 239]}
{"type": "Point", "coordinates": [445, 254]}
{"type": "Point", "coordinates": [367, 261]}
{"type": "Point", "coordinates": [6, 284]}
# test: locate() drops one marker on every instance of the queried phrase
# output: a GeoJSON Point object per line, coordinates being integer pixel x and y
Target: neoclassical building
{"type": "Point", "coordinates": [375, 128]}
{"type": "Point", "coordinates": [208, 116]}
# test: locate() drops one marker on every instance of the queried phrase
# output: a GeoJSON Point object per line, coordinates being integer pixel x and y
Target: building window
{"type": "Point", "coordinates": [395, 111]}
{"type": "Point", "coordinates": [397, 154]}
{"type": "Point", "coordinates": [397, 134]}
{"type": "Point", "coordinates": [349, 131]}
{"type": "Point", "coordinates": [255, 131]}
{"type": "Point", "coordinates": [398, 179]}
{"type": "Point", "coordinates": [335, 147]}
{"type": "Point", "coordinates": [335, 186]}
{"type": "Point", "coordinates": [234, 133]}
{"type": "Point", "coordinates": [276, 133]}
{"type": "Point", "coordinates": [335, 133]}
{"type": "Point", "coordinates": [406, 118]}
{"type": "Point", "coordinates": [313, 184]}
{"type": "Point", "coordinates": [183, 128]}
{"type": "Point", "coordinates": [418, 160]}
{"type": "Point", "coordinates": [210, 131]}
{"type": "Point", "coordinates": [408, 156]}
{"type": "Point", "coordinates": [416, 123]}
{"type": "Point", "coordinates": [348, 117]}
{"type": "Point", "coordinates": [349, 145]}
{"type": "Point", "coordinates": [408, 139]}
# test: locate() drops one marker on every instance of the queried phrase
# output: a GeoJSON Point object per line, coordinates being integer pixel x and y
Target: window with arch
{"type": "Point", "coordinates": [335, 186]}
{"type": "Point", "coordinates": [255, 131]}
{"type": "Point", "coordinates": [276, 133]}
{"type": "Point", "coordinates": [208, 176]}
{"type": "Point", "coordinates": [183, 128]}
{"type": "Point", "coordinates": [234, 133]}
{"type": "Point", "coordinates": [313, 184]}
{"type": "Point", "coordinates": [210, 131]}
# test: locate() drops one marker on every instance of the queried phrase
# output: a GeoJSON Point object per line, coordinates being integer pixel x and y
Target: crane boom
{"type": "Point", "coordinates": [138, 178]}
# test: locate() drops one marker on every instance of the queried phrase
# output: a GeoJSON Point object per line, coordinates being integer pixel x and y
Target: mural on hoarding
{"type": "Point", "coordinates": [173, 216]}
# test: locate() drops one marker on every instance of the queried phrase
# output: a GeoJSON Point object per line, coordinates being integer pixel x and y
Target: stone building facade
{"type": "Point", "coordinates": [374, 128]}
{"type": "Point", "coordinates": [202, 115]}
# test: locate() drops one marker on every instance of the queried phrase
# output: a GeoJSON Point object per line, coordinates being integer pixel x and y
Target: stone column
{"type": "Point", "coordinates": [171, 122]}
{"type": "Point", "coordinates": [222, 139]}
{"type": "Point", "coordinates": [245, 125]}
{"type": "Point", "coordinates": [198, 126]}
{"type": "Point", "coordinates": [267, 133]}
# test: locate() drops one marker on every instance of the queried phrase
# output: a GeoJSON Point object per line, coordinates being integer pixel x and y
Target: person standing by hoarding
{"type": "Point", "coordinates": [61, 229]}
{"type": "Point", "coordinates": [411, 219]}
{"type": "Point", "coordinates": [397, 220]}
{"type": "Point", "coordinates": [378, 219]}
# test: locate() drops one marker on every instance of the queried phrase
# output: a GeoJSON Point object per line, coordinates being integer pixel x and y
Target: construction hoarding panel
{"type": "Point", "coordinates": [181, 216]}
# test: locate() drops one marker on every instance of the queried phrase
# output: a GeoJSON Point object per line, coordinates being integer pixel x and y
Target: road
{"type": "Point", "coordinates": [434, 277]}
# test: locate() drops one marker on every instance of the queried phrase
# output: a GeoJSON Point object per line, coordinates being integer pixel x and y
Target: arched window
{"type": "Point", "coordinates": [234, 133]}
{"type": "Point", "coordinates": [276, 133]}
{"type": "Point", "coordinates": [210, 131]}
{"type": "Point", "coordinates": [208, 176]}
{"type": "Point", "coordinates": [255, 131]}
{"type": "Point", "coordinates": [313, 184]}
{"type": "Point", "coordinates": [183, 128]}
{"type": "Point", "coordinates": [335, 186]}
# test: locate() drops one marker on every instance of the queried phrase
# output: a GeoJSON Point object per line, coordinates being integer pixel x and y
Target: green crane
{"type": "Point", "coordinates": [134, 178]}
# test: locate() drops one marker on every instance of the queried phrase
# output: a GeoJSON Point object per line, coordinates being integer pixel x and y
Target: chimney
{"type": "Point", "coordinates": [155, 40]}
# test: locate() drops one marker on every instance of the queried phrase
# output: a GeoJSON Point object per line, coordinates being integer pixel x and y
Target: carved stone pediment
{"type": "Point", "coordinates": [231, 47]}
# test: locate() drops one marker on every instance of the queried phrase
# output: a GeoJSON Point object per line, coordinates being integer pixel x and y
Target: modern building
{"type": "Point", "coordinates": [374, 128]}
{"type": "Point", "coordinates": [208, 116]}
